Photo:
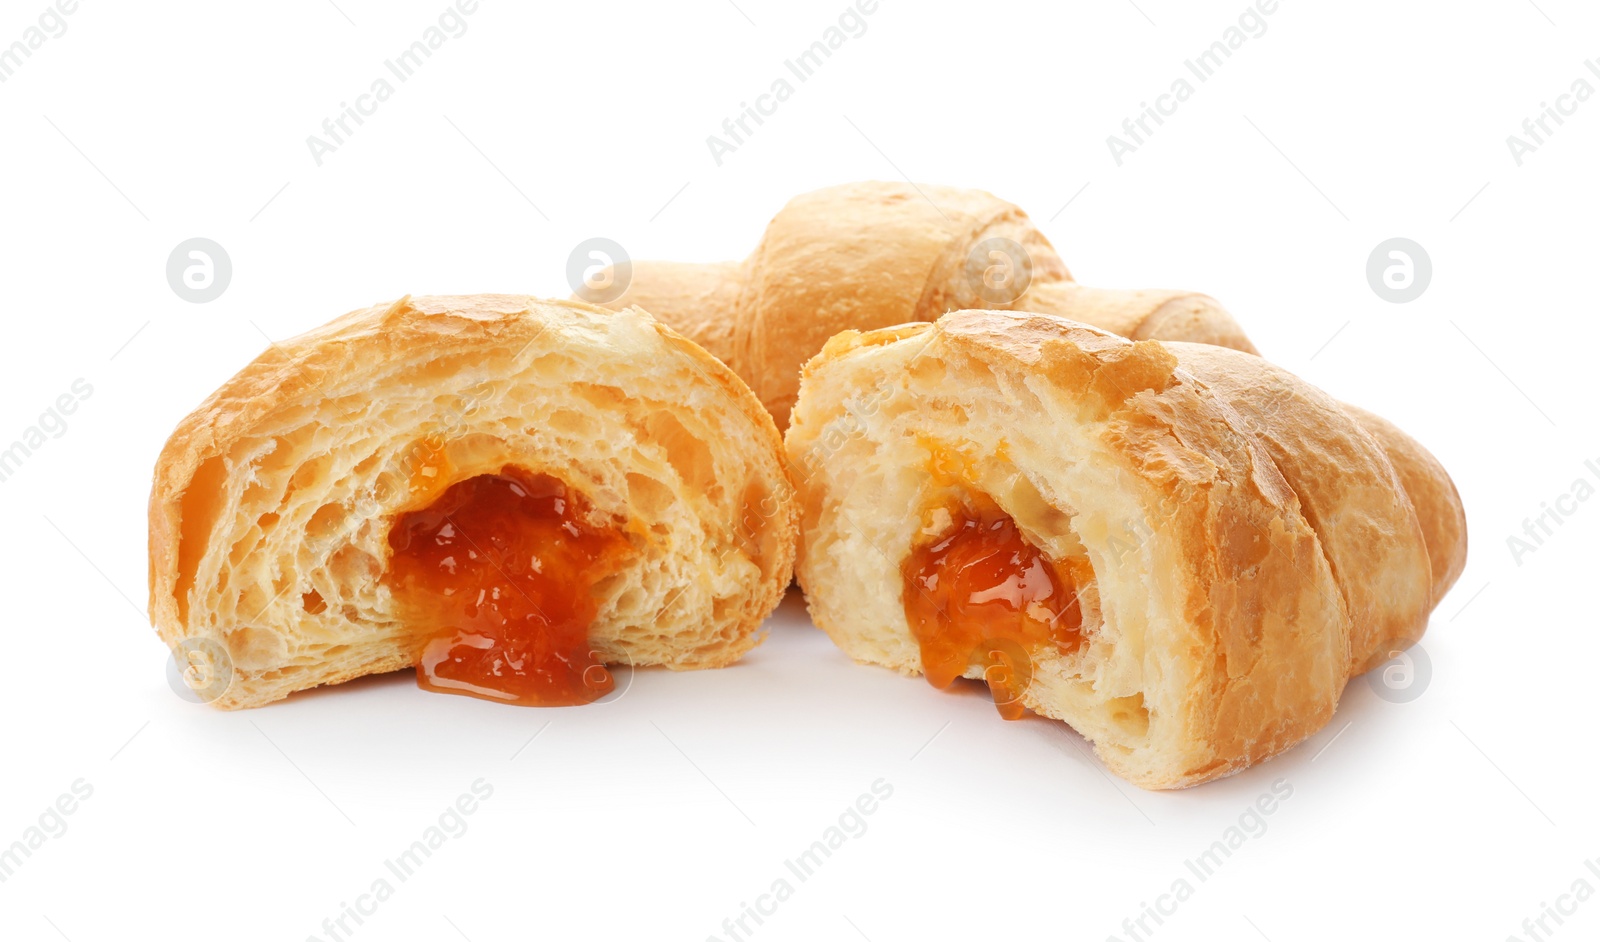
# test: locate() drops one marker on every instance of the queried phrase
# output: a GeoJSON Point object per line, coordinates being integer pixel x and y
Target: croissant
{"type": "Point", "coordinates": [1180, 550]}
{"type": "Point", "coordinates": [868, 255]}
{"type": "Point", "coordinates": [505, 492]}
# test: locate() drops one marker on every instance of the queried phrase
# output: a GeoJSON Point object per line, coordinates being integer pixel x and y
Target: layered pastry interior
{"type": "Point", "coordinates": [505, 494]}
{"type": "Point", "coordinates": [942, 543]}
{"type": "Point", "coordinates": [1004, 590]}
{"type": "Point", "coordinates": [1180, 550]}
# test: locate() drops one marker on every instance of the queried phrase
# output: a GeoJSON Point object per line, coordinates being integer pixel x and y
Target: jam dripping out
{"type": "Point", "coordinates": [496, 575]}
{"type": "Point", "coordinates": [981, 595]}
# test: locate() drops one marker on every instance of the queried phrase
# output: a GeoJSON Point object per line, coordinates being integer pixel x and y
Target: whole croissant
{"type": "Point", "coordinates": [868, 255]}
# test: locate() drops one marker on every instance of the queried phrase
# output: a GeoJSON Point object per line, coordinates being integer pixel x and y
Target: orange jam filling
{"type": "Point", "coordinates": [981, 595]}
{"type": "Point", "coordinates": [497, 575]}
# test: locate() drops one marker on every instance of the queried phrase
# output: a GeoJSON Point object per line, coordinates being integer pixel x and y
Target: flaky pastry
{"type": "Point", "coordinates": [507, 492]}
{"type": "Point", "coordinates": [867, 255]}
{"type": "Point", "coordinates": [1181, 550]}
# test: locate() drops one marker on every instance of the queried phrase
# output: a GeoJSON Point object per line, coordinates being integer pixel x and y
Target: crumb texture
{"type": "Point", "coordinates": [1253, 543]}
{"type": "Point", "coordinates": [272, 502]}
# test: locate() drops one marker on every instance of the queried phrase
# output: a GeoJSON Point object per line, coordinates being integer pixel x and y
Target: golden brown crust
{"type": "Point", "coordinates": [1139, 314]}
{"type": "Point", "coordinates": [1350, 491]}
{"type": "Point", "coordinates": [280, 485]}
{"type": "Point", "coordinates": [704, 300]}
{"type": "Point", "coordinates": [1253, 542]}
{"type": "Point", "coordinates": [863, 256]}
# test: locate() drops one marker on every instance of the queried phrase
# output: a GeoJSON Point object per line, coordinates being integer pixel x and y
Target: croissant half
{"type": "Point", "coordinates": [400, 485]}
{"type": "Point", "coordinates": [869, 255]}
{"type": "Point", "coordinates": [1181, 550]}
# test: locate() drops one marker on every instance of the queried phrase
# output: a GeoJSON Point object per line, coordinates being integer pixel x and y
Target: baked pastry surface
{"type": "Point", "coordinates": [868, 255]}
{"type": "Point", "coordinates": [1236, 544]}
{"type": "Point", "coordinates": [273, 503]}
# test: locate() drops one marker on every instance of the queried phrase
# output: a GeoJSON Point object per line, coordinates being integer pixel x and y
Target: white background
{"type": "Point", "coordinates": [1457, 815]}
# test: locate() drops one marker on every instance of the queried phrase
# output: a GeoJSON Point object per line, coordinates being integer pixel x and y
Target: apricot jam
{"type": "Point", "coordinates": [496, 575]}
{"type": "Point", "coordinates": [981, 595]}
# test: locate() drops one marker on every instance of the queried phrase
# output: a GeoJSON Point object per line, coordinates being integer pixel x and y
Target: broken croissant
{"type": "Point", "coordinates": [507, 493]}
{"type": "Point", "coordinates": [868, 255]}
{"type": "Point", "coordinates": [1181, 550]}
